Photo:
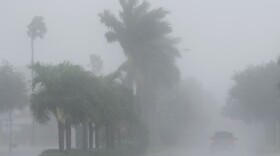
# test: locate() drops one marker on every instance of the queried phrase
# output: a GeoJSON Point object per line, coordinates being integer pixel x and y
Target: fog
{"type": "Point", "coordinates": [222, 37]}
{"type": "Point", "coordinates": [218, 39]}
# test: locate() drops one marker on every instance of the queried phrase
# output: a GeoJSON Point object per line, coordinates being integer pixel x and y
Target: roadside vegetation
{"type": "Point", "coordinates": [144, 104]}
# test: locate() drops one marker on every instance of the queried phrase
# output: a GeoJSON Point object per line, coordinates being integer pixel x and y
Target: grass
{"type": "Point", "coordinates": [100, 152]}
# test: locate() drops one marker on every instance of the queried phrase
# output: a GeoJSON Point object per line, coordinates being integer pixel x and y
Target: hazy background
{"type": "Point", "coordinates": [222, 36]}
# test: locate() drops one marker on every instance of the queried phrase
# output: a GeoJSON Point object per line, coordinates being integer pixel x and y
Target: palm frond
{"type": "Point", "coordinates": [111, 36]}
{"type": "Point", "coordinates": [40, 106]}
{"type": "Point", "coordinates": [111, 21]}
{"type": "Point", "coordinates": [36, 28]}
{"type": "Point", "coordinates": [142, 9]}
{"type": "Point", "coordinates": [157, 14]}
{"type": "Point", "coordinates": [131, 4]}
{"type": "Point", "coordinates": [123, 3]}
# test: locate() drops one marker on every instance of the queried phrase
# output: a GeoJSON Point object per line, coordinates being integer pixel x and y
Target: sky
{"type": "Point", "coordinates": [222, 36]}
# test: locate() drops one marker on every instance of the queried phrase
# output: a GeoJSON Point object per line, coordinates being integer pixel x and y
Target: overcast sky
{"type": "Point", "coordinates": [223, 36]}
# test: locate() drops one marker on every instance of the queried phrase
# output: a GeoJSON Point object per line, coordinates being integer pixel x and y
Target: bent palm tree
{"type": "Point", "coordinates": [143, 33]}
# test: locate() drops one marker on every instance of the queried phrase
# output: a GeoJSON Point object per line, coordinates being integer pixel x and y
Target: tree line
{"type": "Point", "coordinates": [75, 97]}
{"type": "Point", "coordinates": [143, 101]}
{"type": "Point", "coordinates": [255, 98]}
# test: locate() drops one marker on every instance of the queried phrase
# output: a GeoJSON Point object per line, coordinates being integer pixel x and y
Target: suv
{"type": "Point", "coordinates": [223, 141]}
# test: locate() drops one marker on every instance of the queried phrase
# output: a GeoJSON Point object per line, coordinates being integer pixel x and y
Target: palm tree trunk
{"type": "Point", "coordinates": [11, 130]}
{"type": "Point", "coordinates": [79, 137]}
{"type": "Point", "coordinates": [110, 136]}
{"type": "Point", "coordinates": [97, 144]}
{"type": "Point", "coordinates": [85, 136]}
{"type": "Point", "coordinates": [107, 137]}
{"type": "Point", "coordinates": [60, 136]}
{"type": "Point", "coordinates": [112, 140]}
{"type": "Point", "coordinates": [32, 51]}
{"type": "Point", "coordinates": [90, 126]}
{"type": "Point", "coordinates": [146, 95]}
{"type": "Point", "coordinates": [119, 136]}
{"type": "Point", "coordinates": [33, 131]}
{"type": "Point", "coordinates": [68, 136]}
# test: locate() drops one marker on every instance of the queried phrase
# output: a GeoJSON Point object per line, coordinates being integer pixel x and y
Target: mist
{"type": "Point", "coordinates": [143, 87]}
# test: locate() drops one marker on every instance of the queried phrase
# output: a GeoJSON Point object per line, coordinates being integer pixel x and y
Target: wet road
{"type": "Point", "coordinates": [174, 152]}
{"type": "Point", "coordinates": [204, 152]}
{"type": "Point", "coordinates": [21, 152]}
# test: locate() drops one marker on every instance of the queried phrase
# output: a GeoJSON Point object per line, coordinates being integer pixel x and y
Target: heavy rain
{"type": "Point", "coordinates": [139, 78]}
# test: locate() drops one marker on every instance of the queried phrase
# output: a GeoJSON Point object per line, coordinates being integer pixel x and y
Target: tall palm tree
{"type": "Point", "coordinates": [144, 35]}
{"type": "Point", "coordinates": [35, 29]}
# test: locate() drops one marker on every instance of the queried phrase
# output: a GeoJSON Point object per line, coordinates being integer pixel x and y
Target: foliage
{"type": "Point", "coordinates": [76, 96]}
{"type": "Point", "coordinates": [12, 88]}
{"type": "Point", "coordinates": [143, 34]}
{"type": "Point", "coordinates": [255, 94]}
{"type": "Point", "coordinates": [116, 109]}
{"type": "Point", "coordinates": [61, 89]}
{"type": "Point", "coordinates": [96, 64]}
{"type": "Point", "coordinates": [36, 28]}
{"type": "Point", "coordinates": [116, 102]}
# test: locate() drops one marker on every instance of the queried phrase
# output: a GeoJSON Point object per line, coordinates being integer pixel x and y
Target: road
{"type": "Point", "coordinates": [175, 152]}
{"type": "Point", "coordinates": [203, 152]}
{"type": "Point", "coordinates": [24, 151]}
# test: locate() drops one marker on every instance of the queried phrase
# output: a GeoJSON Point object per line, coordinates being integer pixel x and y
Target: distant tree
{"type": "Point", "coordinates": [254, 97]}
{"type": "Point", "coordinates": [35, 29]}
{"type": "Point", "coordinates": [62, 90]}
{"type": "Point", "coordinates": [96, 64]}
{"type": "Point", "coordinates": [256, 92]}
{"type": "Point", "coordinates": [144, 36]}
{"type": "Point", "coordinates": [13, 94]}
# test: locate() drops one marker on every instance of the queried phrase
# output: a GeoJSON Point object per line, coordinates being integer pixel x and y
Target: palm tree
{"type": "Point", "coordinates": [35, 29]}
{"type": "Point", "coordinates": [143, 34]}
{"type": "Point", "coordinates": [61, 90]}
{"type": "Point", "coordinates": [114, 105]}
